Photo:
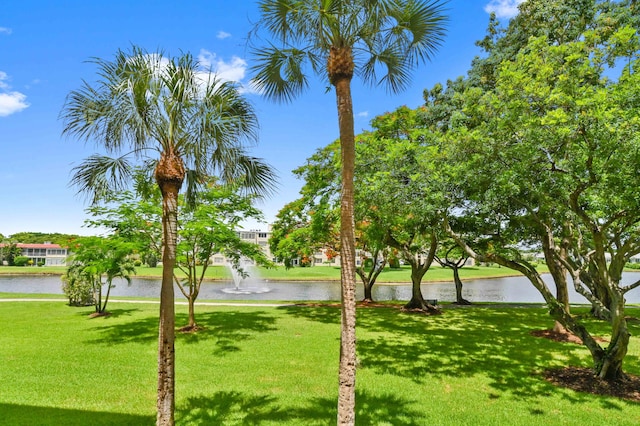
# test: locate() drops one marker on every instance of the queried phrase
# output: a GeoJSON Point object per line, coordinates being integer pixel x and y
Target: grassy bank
{"type": "Point", "coordinates": [275, 366]}
{"type": "Point", "coordinates": [316, 273]}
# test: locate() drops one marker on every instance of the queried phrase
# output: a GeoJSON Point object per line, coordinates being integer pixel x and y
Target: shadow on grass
{"type": "Point", "coordinates": [236, 408]}
{"type": "Point", "coordinates": [13, 414]}
{"type": "Point", "coordinates": [225, 327]}
{"type": "Point", "coordinates": [228, 328]}
{"type": "Point", "coordinates": [494, 343]}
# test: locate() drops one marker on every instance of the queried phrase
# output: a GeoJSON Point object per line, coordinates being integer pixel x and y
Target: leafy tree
{"type": "Point", "coordinates": [555, 163]}
{"type": "Point", "coordinates": [311, 222]}
{"type": "Point", "coordinates": [292, 237]}
{"type": "Point", "coordinates": [93, 259]}
{"type": "Point", "coordinates": [9, 252]}
{"type": "Point", "coordinates": [207, 228]}
{"type": "Point", "coordinates": [338, 39]}
{"type": "Point", "coordinates": [40, 237]}
{"type": "Point", "coordinates": [210, 228]}
{"type": "Point", "coordinates": [400, 191]}
{"type": "Point", "coordinates": [185, 124]}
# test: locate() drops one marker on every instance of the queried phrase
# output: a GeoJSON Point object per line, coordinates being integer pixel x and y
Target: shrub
{"type": "Point", "coordinates": [151, 260]}
{"type": "Point", "coordinates": [21, 261]}
{"type": "Point", "coordinates": [78, 290]}
{"type": "Point", "coordinates": [394, 263]}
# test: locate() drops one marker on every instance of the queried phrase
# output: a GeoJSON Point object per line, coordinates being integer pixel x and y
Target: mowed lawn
{"type": "Point", "coordinates": [278, 365]}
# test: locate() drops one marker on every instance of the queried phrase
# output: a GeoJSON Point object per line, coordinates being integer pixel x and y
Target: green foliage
{"type": "Point", "coordinates": [8, 253]}
{"type": "Point", "coordinates": [93, 259]}
{"type": "Point", "coordinates": [40, 237]}
{"type": "Point", "coordinates": [78, 289]}
{"type": "Point", "coordinates": [21, 261]}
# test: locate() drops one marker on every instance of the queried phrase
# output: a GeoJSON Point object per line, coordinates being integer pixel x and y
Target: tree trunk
{"type": "Point", "coordinates": [192, 312]}
{"type": "Point", "coordinates": [368, 293]}
{"type": "Point", "coordinates": [458, 282]}
{"type": "Point", "coordinates": [417, 300]}
{"type": "Point", "coordinates": [347, 371]}
{"type": "Point", "coordinates": [367, 283]}
{"type": "Point", "coordinates": [106, 299]}
{"type": "Point", "coordinates": [169, 175]}
{"type": "Point", "coordinates": [609, 366]}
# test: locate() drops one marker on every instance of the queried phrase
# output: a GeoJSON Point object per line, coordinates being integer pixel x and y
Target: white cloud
{"type": "Point", "coordinates": [235, 70]}
{"type": "Point", "coordinates": [363, 114]}
{"type": "Point", "coordinates": [222, 35]}
{"type": "Point", "coordinates": [10, 102]}
{"type": "Point", "coordinates": [503, 8]}
{"type": "Point", "coordinates": [5, 30]}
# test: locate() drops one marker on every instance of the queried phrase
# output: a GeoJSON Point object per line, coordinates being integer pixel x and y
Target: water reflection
{"type": "Point", "coordinates": [510, 289]}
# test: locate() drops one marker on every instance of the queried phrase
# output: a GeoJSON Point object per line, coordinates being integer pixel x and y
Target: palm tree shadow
{"type": "Point", "coordinates": [370, 410]}
{"type": "Point", "coordinates": [233, 407]}
{"type": "Point", "coordinates": [230, 408]}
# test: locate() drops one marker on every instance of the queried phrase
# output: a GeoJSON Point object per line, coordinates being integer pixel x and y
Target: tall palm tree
{"type": "Point", "coordinates": [380, 41]}
{"type": "Point", "coordinates": [182, 123]}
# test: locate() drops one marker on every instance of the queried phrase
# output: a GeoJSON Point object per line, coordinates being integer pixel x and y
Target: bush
{"type": "Point", "coordinates": [79, 291]}
{"type": "Point", "coordinates": [151, 260]}
{"type": "Point", "coordinates": [394, 263]}
{"type": "Point", "coordinates": [21, 261]}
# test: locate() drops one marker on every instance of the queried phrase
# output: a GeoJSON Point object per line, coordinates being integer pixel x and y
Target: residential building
{"type": "Point", "coordinates": [258, 237]}
{"type": "Point", "coordinates": [46, 254]}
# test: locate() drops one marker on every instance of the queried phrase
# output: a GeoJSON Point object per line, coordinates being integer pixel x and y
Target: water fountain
{"type": "Point", "coordinates": [250, 283]}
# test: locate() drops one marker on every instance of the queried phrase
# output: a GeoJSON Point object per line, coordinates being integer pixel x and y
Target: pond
{"type": "Point", "coordinates": [508, 289]}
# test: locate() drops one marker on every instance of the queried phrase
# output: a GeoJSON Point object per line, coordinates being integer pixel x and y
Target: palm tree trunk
{"type": "Point", "coordinates": [169, 175]}
{"type": "Point", "coordinates": [347, 372]}
{"type": "Point", "coordinates": [166, 332]}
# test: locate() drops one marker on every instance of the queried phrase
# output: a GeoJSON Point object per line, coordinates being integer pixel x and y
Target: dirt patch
{"type": "Point", "coordinates": [584, 380]}
{"type": "Point", "coordinates": [190, 329]}
{"type": "Point", "coordinates": [99, 314]}
{"type": "Point", "coordinates": [557, 336]}
{"type": "Point", "coordinates": [562, 336]}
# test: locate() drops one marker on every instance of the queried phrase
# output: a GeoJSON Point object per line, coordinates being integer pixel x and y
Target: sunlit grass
{"type": "Point", "coordinates": [273, 366]}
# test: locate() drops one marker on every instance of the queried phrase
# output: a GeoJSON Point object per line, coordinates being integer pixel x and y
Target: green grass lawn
{"type": "Point", "coordinates": [316, 273]}
{"type": "Point", "coordinates": [274, 366]}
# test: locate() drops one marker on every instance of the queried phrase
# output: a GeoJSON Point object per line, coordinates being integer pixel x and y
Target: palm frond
{"type": "Point", "coordinates": [279, 72]}
{"type": "Point", "coordinates": [98, 176]}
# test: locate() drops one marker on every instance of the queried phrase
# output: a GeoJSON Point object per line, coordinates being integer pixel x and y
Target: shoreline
{"type": "Point", "coordinates": [296, 280]}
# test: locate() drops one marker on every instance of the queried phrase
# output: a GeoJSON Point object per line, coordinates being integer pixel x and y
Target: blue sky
{"type": "Point", "coordinates": [44, 48]}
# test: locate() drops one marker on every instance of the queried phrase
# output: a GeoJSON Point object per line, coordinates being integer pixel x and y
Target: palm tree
{"type": "Point", "coordinates": [380, 41]}
{"type": "Point", "coordinates": [179, 122]}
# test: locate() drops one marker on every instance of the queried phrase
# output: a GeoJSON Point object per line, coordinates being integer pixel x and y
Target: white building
{"type": "Point", "coordinates": [46, 254]}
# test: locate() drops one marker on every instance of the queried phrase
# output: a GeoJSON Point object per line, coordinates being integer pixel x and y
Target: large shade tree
{"type": "Point", "coordinates": [178, 120]}
{"type": "Point", "coordinates": [380, 41]}
{"type": "Point", "coordinates": [556, 161]}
